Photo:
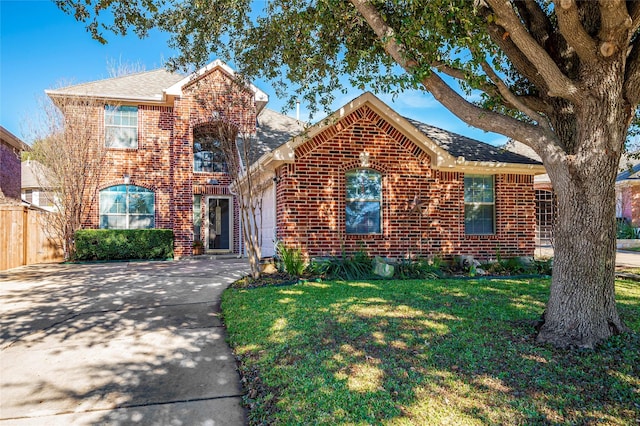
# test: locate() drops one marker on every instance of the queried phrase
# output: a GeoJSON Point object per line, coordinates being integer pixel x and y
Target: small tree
{"type": "Point", "coordinates": [229, 105]}
{"type": "Point", "coordinates": [71, 161]}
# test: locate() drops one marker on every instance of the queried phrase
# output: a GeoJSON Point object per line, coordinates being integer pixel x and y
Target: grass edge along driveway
{"type": "Point", "coordinates": [425, 352]}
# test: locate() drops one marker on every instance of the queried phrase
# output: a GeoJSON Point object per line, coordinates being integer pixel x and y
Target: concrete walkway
{"type": "Point", "coordinates": [624, 259]}
{"type": "Point", "coordinates": [117, 343]}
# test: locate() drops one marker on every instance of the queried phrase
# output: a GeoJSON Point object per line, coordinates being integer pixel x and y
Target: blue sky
{"type": "Point", "coordinates": [43, 48]}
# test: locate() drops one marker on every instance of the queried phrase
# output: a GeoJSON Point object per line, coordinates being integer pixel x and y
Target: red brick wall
{"type": "Point", "coordinates": [163, 160]}
{"type": "Point", "coordinates": [311, 198]}
{"type": "Point", "coordinates": [10, 171]}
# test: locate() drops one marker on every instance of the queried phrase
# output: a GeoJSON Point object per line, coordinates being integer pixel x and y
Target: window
{"type": "Point", "coordinates": [207, 156]}
{"type": "Point", "coordinates": [364, 201]}
{"type": "Point", "coordinates": [121, 126]}
{"type": "Point", "coordinates": [127, 207]}
{"type": "Point", "coordinates": [479, 206]}
{"type": "Point", "coordinates": [197, 218]}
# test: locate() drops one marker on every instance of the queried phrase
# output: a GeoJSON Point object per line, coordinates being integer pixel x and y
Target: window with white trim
{"type": "Point", "coordinates": [208, 156]}
{"type": "Point", "coordinates": [364, 202]}
{"type": "Point", "coordinates": [127, 207]}
{"type": "Point", "coordinates": [121, 126]}
{"type": "Point", "coordinates": [479, 205]}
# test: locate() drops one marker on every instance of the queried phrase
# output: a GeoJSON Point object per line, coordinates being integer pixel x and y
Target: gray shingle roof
{"type": "Point", "coordinates": [471, 149]}
{"type": "Point", "coordinates": [632, 173]}
{"type": "Point", "coordinates": [147, 85]}
{"type": "Point", "coordinates": [273, 129]}
{"type": "Point", "coordinates": [33, 175]}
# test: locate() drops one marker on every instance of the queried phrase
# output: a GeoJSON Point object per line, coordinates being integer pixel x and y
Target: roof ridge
{"type": "Point", "coordinates": [101, 80]}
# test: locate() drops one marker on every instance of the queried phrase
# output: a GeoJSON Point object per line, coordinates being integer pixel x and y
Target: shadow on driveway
{"type": "Point", "coordinates": [118, 343]}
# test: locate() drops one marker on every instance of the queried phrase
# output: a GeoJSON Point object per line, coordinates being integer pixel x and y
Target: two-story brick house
{"type": "Point", "coordinates": [362, 178]}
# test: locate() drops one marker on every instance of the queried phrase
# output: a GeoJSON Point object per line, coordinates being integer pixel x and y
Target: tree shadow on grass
{"type": "Point", "coordinates": [88, 338]}
{"type": "Point", "coordinates": [442, 352]}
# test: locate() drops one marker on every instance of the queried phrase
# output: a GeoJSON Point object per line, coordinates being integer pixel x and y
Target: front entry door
{"type": "Point", "coordinates": [220, 226]}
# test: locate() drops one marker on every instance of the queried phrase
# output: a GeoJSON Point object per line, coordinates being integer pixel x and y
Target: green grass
{"type": "Point", "coordinates": [425, 353]}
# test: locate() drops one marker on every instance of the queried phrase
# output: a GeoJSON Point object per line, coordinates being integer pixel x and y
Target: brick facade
{"type": "Point", "coordinates": [163, 159]}
{"type": "Point", "coordinates": [422, 190]}
{"type": "Point", "coordinates": [9, 171]}
{"type": "Point", "coordinates": [311, 198]}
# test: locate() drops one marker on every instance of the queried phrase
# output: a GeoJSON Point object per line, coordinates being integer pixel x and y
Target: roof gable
{"type": "Point", "coordinates": [261, 98]}
{"type": "Point", "coordinates": [448, 151]}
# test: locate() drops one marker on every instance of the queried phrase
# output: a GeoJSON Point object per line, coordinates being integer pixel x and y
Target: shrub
{"type": "Point", "coordinates": [291, 260]}
{"type": "Point", "coordinates": [417, 269]}
{"type": "Point", "coordinates": [345, 267]}
{"type": "Point", "coordinates": [123, 244]}
{"type": "Point", "coordinates": [626, 231]}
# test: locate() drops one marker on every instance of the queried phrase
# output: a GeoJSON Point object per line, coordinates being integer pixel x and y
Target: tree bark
{"type": "Point", "coordinates": [581, 310]}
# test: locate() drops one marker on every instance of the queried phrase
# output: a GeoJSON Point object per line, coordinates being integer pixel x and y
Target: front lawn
{"type": "Point", "coordinates": [425, 353]}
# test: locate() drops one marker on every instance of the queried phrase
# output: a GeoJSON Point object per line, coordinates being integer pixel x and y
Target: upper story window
{"type": "Point", "coordinates": [208, 156]}
{"type": "Point", "coordinates": [121, 126]}
{"type": "Point", "coordinates": [127, 207]}
{"type": "Point", "coordinates": [364, 201]}
{"type": "Point", "coordinates": [479, 204]}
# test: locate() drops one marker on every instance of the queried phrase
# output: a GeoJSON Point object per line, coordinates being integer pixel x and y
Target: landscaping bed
{"type": "Point", "coordinates": [444, 351]}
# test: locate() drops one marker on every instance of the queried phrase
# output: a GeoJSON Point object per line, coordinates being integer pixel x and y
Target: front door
{"type": "Point", "coordinates": [219, 227]}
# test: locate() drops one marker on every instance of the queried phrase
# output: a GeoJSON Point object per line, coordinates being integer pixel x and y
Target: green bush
{"type": "Point", "coordinates": [626, 231]}
{"type": "Point", "coordinates": [345, 267]}
{"type": "Point", "coordinates": [407, 269]}
{"type": "Point", "coordinates": [291, 260]}
{"type": "Point", "coordinates": [123, 244]}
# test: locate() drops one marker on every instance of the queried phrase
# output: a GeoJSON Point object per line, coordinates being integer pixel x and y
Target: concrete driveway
{"type": "Point", "coordinates": [117, 343]}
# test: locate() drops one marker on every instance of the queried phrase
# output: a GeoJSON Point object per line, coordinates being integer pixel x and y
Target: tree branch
{"type": "Point", "coordinates": [513, 99]}
{"type": "Point", "coordinates": [632, 76]}
{"type": "Point", "coordinates": [534, 136]}
{"type": "Point", "coordinates": [634, 12]}
{"type": "Point", "coordinates": [573, 31]}
{"type": "Point", "coordinates": [459, 74]}
{"type": "Point", "coordinates": [559, 84]}
{"type": "Point", "coordinates": [535, 19]}
{"type": "Point", "coordinates": [615, 19]}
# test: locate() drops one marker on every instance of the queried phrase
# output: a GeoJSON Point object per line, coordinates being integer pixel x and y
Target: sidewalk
{"type": "Point", "coordinates": [627, 259]}
{"type": "Point", "coordinates": [118, 343]}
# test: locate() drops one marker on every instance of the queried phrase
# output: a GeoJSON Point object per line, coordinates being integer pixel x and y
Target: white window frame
{"type": "Point", "coordinates": [475, 203]}
{"type": "Point", "coordinates": [113, 124]}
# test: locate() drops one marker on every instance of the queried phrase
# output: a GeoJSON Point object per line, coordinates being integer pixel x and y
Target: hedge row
{"type": "Point", "coordinates": [123, 244]}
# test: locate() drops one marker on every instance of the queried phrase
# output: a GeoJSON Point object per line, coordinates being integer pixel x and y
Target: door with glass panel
{"type": "Point", "coordinates": [219, 224]}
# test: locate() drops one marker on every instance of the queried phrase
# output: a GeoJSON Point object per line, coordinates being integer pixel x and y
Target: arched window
{"type": "Point", "coordinates": [208, 156]}
{"type": "Point", "coordinates": [127, 207]}
{"type": "Point", "coordinates": [364, 201]}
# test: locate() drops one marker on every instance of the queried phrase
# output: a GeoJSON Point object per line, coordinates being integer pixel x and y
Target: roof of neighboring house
{"type": "Point", "coordinates": [30, 171]}
{"type": "Point", "coordinates": [12, 140]}
{"type": "Point", "coordinates": [470, 149]}
{"type": "Point", "coordinates": [142, 86]}
{"type": "Point", "coordinates": [632, 173]}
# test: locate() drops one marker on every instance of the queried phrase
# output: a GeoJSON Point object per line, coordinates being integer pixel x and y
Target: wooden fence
{"type": "Point", "coordinates": [23, 238]}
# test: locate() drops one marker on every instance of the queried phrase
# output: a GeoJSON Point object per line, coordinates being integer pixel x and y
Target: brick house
{"type": "Point", "coordinates": [10, 172]}
{"type": "Point", "coordinates": [364, 177]}
{"type": "Point", "coordinates": [628, 194]}
{"type": "Point", "coordinates": [367, 178]}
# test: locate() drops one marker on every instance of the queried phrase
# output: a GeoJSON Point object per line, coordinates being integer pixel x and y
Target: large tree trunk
{"type": "Point", "coordinates": [581, 310]}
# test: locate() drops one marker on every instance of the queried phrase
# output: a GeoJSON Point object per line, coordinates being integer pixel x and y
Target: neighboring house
{"type": "Point", "coordinates": [10, 148]}
{"type": "Point", "coordinates": [628, 194]}
{"type": "Point", "coordinates": [363, 178]}
{"type": "Point", "coordinates": [36, 190]}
